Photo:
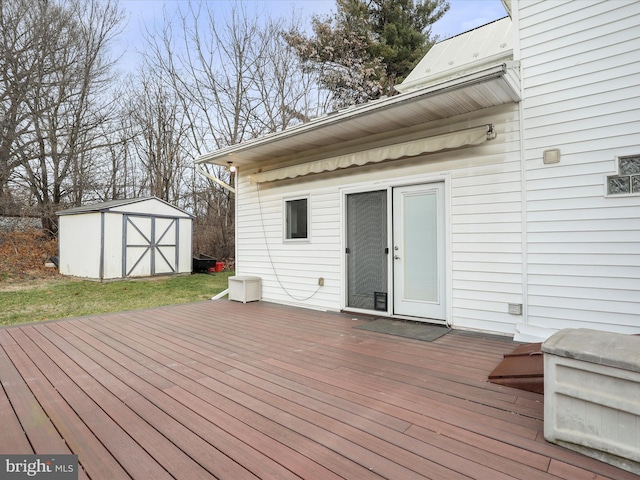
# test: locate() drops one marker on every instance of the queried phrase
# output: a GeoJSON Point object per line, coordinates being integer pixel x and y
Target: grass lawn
{"type": "Point", "coordinates": [65, 297]}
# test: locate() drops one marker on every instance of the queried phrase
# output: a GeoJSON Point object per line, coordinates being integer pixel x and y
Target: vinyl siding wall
{"type": "Point", "coordinates": [581, 74]}
{"type": "Point", "coordinates": [484, 224]}
{"type": "Point", "coordinates": [79, 241]}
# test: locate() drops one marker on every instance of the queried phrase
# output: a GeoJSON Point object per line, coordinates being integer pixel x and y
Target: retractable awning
{"type": "Point", "coordinates": [458, 139]}
{"type": "Point", "coordinates": [328, 142]}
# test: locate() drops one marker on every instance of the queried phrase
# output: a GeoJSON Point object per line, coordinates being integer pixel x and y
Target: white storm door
{"type": "Point", "coordinates": [367, 250]}
{"type": "Point", "coordinates": [419, 251]}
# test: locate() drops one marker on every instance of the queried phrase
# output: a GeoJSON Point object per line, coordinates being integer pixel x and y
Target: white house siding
{"type": "Point", "coordinates": [113, 245]}
{"type": "Point", "coordinates": [484, 225]}
{"type": "Point", "coordinates": [290, 271]}
{"type": "Point", "coordinates": [79, 245]}
{"type": "Point", "coordinates": [581, 71]}
{"type": "Point", "coordinates": [185, 239]}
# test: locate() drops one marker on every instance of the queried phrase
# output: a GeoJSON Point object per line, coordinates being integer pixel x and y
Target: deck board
{"type": "Point", "coordinates": [245, 391]}
{"type": "Point", "coordinates": [14, 439]}
{"type": "Point", "coordinates": [20, 378]}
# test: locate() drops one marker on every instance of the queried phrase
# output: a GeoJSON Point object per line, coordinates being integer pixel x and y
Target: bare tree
{"type": "Point", "coordinates": [237, 78]}
{"type": "Point", "coordinates": [117, 175]}
{"type": "Point", "coordinates": [158, 139]}
{"type": "Point", "coordinates": [62, 65]}
{"type": "Point", "coordinates": [19, 43]}
{"type": "Point", "coordinates": [284, 93]}
{"type": "Point", "coordinates": [210, 67]}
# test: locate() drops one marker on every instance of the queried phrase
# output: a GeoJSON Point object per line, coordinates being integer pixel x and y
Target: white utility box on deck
{"type": "Point", "coordinates": [592, 394]}
{"type": "Point", "coordinates": [244, 289]}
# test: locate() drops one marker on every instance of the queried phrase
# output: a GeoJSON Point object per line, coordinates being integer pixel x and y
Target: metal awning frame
{"type": "Point", "coordinates": [303, 139]}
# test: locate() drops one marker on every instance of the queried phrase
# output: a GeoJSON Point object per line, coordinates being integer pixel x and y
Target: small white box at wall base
{"type": "Point", "coordinates": [245, 289]}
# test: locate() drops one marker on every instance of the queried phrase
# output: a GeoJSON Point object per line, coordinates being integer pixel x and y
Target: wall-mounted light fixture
{"type": "Point", "coordinates": [551, 156]}
{"type": "Point", "coordinates": [231, 167]}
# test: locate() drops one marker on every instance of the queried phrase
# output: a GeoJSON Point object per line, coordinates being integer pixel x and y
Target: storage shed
{"type": "Point", "coordinates": [124, 238]}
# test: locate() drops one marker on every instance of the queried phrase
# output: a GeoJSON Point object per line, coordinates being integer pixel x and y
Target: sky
{"type": "Point", "coordinates": [462, 16]}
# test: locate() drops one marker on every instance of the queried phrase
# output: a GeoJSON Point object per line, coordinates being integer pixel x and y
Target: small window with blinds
{"type": "Point", "coordinates": [627, 181]}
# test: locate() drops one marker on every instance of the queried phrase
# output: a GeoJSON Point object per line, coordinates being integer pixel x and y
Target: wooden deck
{"type": "Point", "coordinates": [236, 391]}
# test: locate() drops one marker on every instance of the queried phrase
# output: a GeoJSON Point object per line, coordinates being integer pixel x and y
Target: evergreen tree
{"type": "Point", "coordinates": [368, 46]}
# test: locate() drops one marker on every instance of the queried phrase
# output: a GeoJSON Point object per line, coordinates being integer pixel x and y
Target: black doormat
{"type": "Point", "coordinates": [418, 330]}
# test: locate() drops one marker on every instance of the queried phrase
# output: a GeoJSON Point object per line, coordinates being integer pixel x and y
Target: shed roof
{"type": "Point", "coordinates": [111, 204]}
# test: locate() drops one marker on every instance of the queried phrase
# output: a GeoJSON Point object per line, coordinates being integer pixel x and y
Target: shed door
{"type": "Point", "coordinates": [150, 245]}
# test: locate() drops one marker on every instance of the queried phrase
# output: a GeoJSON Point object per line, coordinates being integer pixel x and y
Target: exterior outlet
{"type": "Point", "coordinates": [320, 281]}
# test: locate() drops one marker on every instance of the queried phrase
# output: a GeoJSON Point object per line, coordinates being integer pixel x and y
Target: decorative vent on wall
{"type": "Point", "coordinates": [627, 181]}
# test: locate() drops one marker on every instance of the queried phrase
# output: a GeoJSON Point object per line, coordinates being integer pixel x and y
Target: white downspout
{"type": "Point", "coordinates": [220, 295]}
{"type": "Point", "coordinates": [519, 336]}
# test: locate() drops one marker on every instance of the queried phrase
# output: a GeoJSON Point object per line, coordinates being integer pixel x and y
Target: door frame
{"type": "Point", "coordinates": [419, 307]}
{"type": "Point", "coordinates": [151, 243]}
{"type": "Point", "coordinates": [389, 185]}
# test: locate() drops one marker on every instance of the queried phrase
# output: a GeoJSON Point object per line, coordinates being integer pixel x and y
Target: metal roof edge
{"type": "Point", "coordinates": [109, 204]}
{"type": "Point", "coordinates": [100, 206]}
{"type": "Point", "coordinates": [359, 111]}
{"type": "Point", "coordinates": [454, 73]}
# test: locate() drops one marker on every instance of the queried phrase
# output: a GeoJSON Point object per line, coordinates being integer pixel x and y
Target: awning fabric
{"type": "Point", "coordinates": [462, 138]}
